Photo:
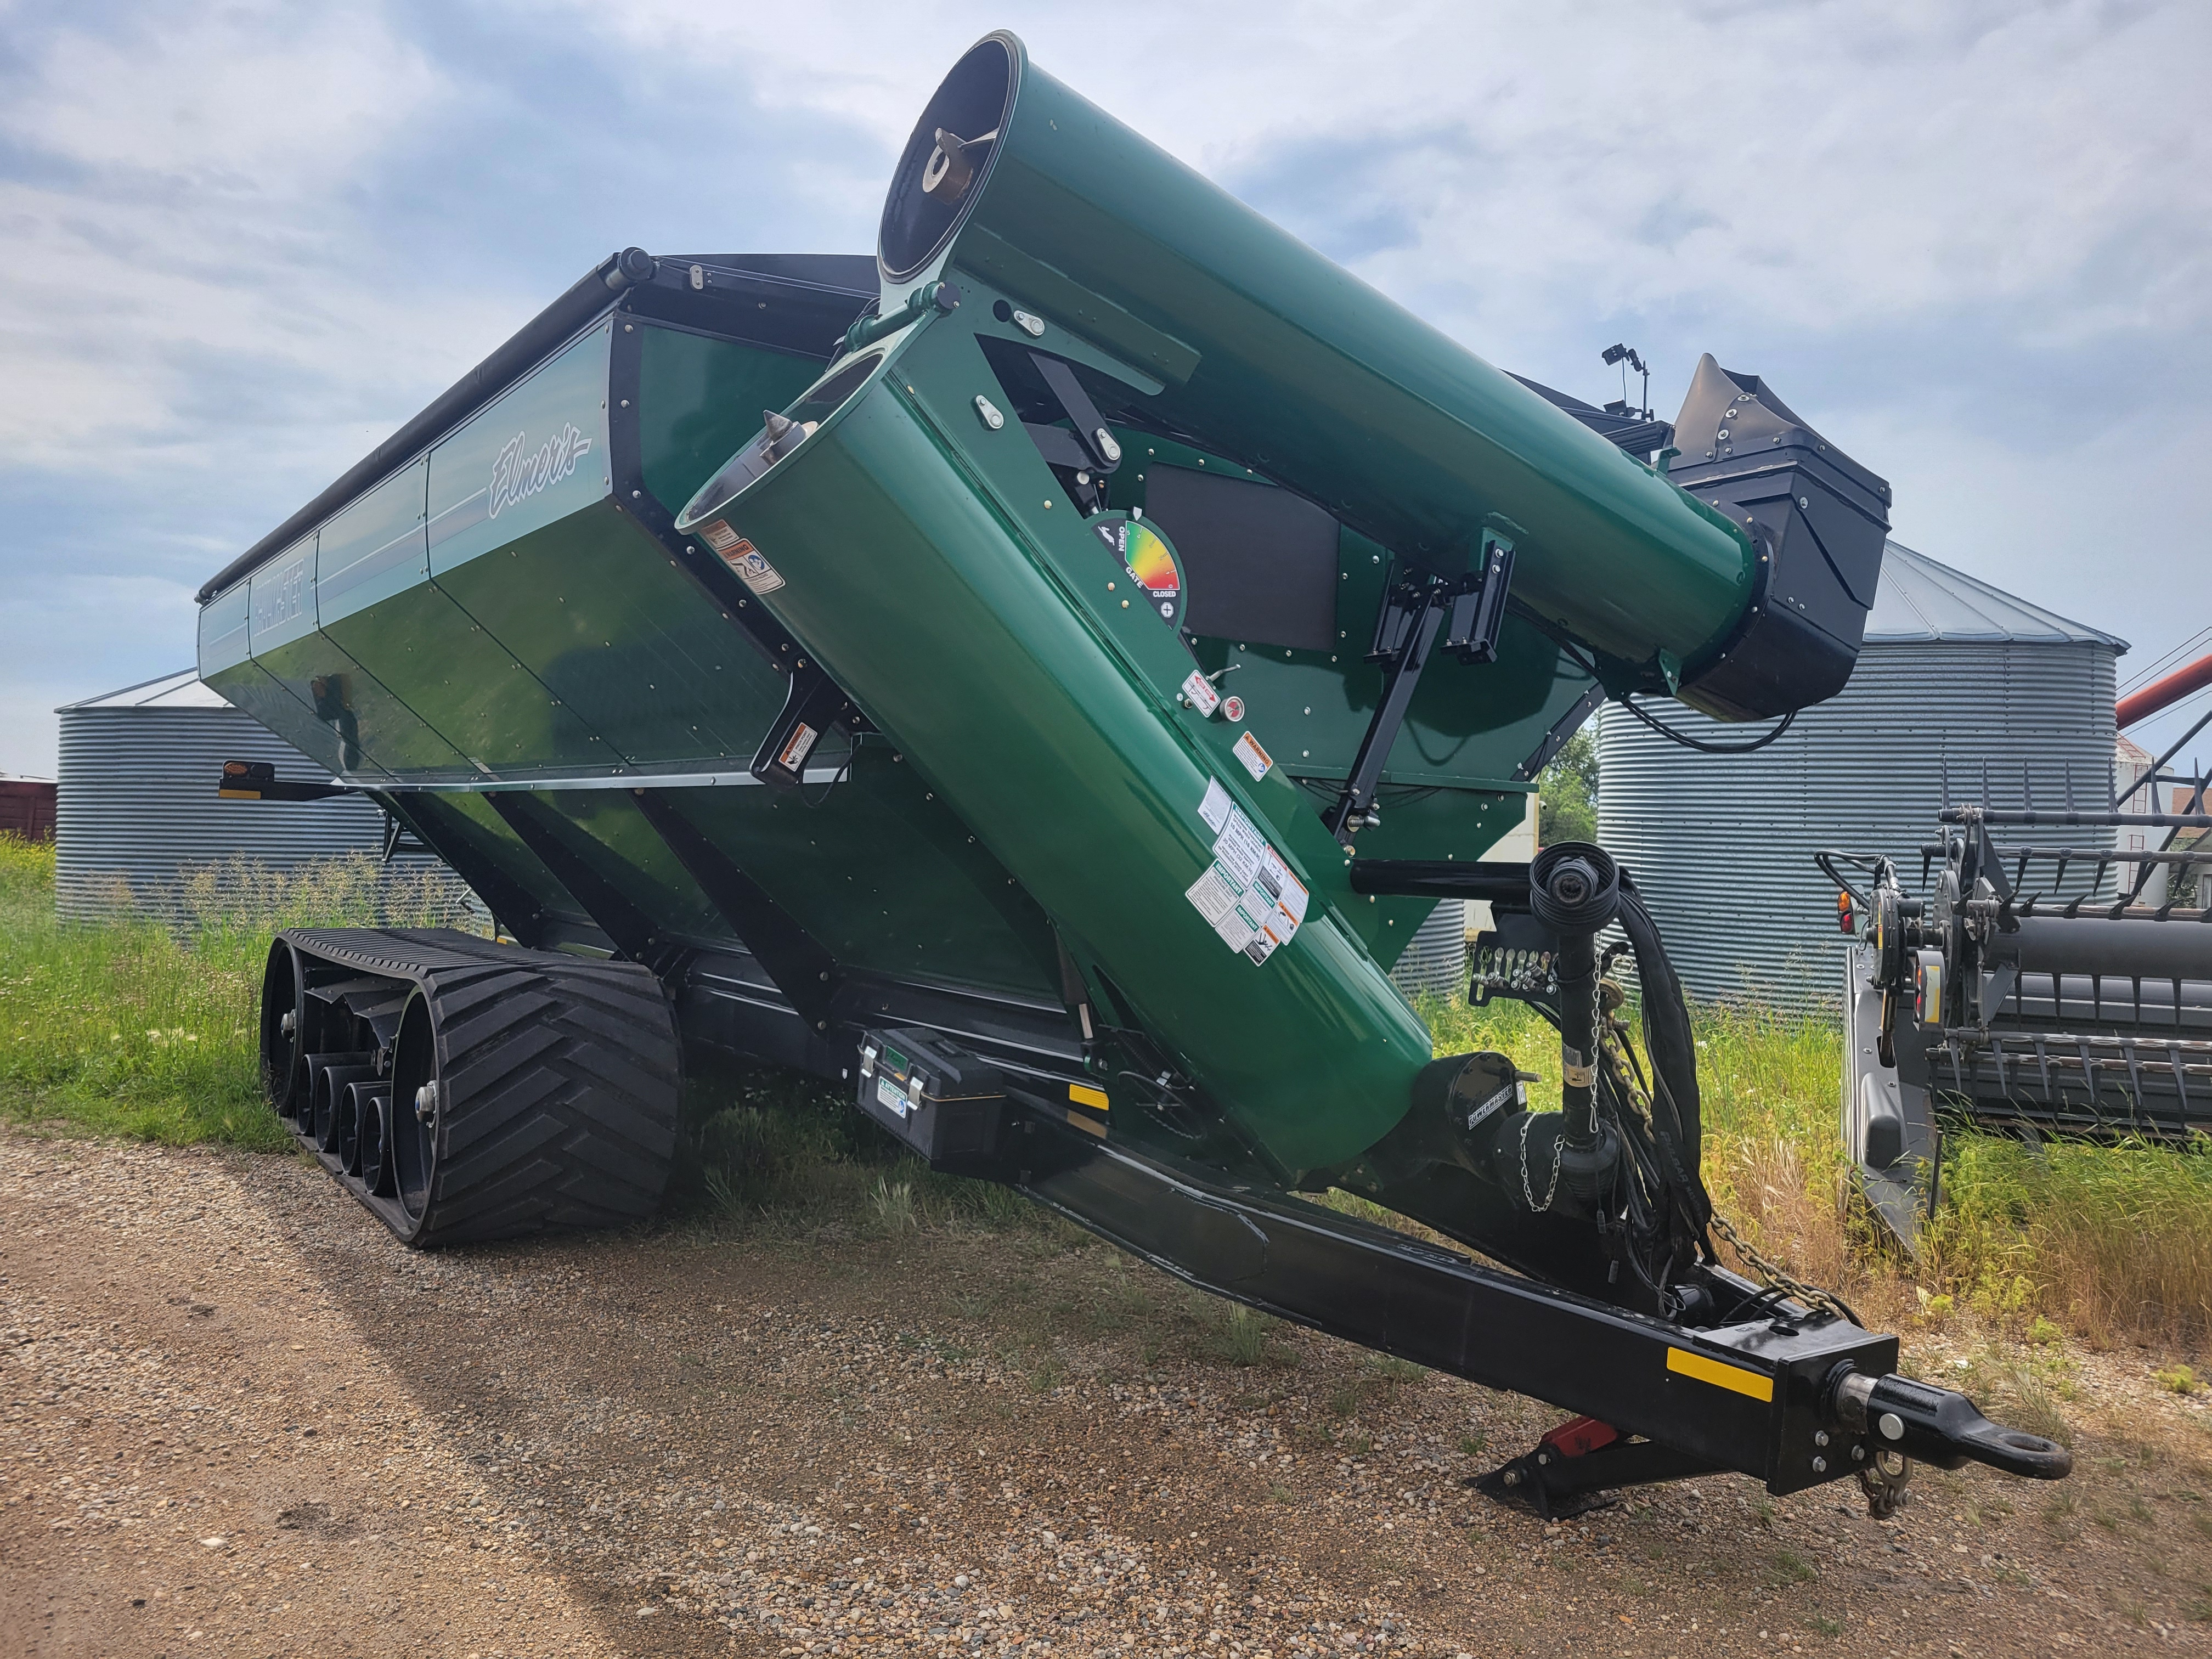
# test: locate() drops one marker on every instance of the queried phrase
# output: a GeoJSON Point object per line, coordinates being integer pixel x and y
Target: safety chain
{"type": "Point", "coordinates": [1780, 1278]}
{"type": "Point", "coordinates": [1559, 1157]}
{"type": "Point", "coordinates": [1614, 1039]}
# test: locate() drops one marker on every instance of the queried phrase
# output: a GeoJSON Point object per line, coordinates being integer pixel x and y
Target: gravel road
{"type": "Point", "coordinates": [239, 1420]}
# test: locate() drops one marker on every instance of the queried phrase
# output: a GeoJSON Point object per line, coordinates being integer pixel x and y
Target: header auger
{"type": "Point", "coordinates": [1052, 720]}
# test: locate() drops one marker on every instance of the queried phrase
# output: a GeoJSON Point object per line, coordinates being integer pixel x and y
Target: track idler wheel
{"type": "Point", "coordinates": [283, 1058]}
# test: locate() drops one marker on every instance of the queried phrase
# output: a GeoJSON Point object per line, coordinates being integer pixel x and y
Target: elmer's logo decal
{"type": "Point", "coordinates": [741, 556]}
{"type": "Point", "coordinates": [515, 477]}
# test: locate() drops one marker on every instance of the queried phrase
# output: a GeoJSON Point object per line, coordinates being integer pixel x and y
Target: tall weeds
{"type": "Point", "coordinates": [2112, 1243]}
{"type": "Point", "coordinates": [133, 1027]}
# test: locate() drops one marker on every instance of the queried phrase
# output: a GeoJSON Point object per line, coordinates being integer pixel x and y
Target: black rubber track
{"type": "Point", "coordinates": [557, 1079]}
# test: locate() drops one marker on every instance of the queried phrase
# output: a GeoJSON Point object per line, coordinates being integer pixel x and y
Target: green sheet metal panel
{"type": "Point", "coordinates": [881, 873]}
{"type": "Point", "coordinates": [700, 398]}
{"type": "Point", "coordinates": [528, 542]}
{"type": "Point", "coordinates": [226, 662]}
{"type": "Point", "coordinates": [337, 693]}
{"type": "Point", "coordinates": [600, 611]}
{"type": "Point", "coordinates": [1469, 723]}
{"type": "Point", "coordinates": [377, 603]}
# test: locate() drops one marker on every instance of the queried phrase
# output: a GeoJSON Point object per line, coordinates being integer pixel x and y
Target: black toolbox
{"type": "Point", "coordinates": [943, 1102]}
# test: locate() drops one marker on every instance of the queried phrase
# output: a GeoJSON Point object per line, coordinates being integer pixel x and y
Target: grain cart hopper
{"type": "Point", "coordinates": [1052, 719]}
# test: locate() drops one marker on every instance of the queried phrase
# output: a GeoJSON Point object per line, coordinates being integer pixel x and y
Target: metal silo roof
{"type": "Point", "coordinates": [1963, 692]}
{"type": "Point", "coordinates": [180, 690]}
{"type": "Point", "coordinates": [1921, 599]}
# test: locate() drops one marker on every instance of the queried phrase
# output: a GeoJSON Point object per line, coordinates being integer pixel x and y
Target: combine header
{"type": "Point", "coordinates": [1997, 999]}
{"type": "Point", "coordinates": [1052, 718]}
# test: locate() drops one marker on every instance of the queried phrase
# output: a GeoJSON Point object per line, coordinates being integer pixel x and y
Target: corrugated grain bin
{"type": "Point", "coordinates": [1960, 687]}
{"type": "Point", "coordinates": [138, 807]}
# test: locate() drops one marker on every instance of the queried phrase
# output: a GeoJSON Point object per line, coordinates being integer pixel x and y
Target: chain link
{"type": "Point", "coordinates": [1559, 1157]}
{"type": "Point", "coordinates": [1614, 1040]}
{"type": "Point", "coordinates": [1778, 1277]}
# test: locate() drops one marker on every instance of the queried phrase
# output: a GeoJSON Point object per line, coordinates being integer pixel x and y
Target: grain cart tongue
{"type": "Point", "coordinates": [1047, 700]}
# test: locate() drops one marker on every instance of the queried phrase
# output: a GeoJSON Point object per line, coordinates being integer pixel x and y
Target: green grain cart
{"type": "Point", "coordinates": [1052, 718]}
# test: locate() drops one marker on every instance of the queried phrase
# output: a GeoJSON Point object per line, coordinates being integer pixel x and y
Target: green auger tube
{"type": "Point", "coordinates": [1289, 363]}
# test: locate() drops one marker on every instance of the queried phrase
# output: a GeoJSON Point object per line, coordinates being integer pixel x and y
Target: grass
{"type": "Point", "coordinates": [142, 1030]}
{"type": "Point", "coordinates": [2106, 1242]}
{"type": "Point", "coordinates": [132, 1028]}
{"type": "Point", "coordinates": [776, 1151]}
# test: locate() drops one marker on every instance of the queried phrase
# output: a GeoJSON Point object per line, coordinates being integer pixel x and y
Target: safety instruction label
{"type": "Point", "coordinates": [794, 754]}
{"type": "Point", "coordinates": [888, 1093]}
{"type": "Point", "coordinates": [1217, 806]}
{"type": "Point", "coordinates": [1256, 760]}
{"type": "Point", "coordinates": [1248, 893]}
{"type": "Point", "coordinates": [741, 556]}
{"type": "Point", "coordinates": [1198, 691]}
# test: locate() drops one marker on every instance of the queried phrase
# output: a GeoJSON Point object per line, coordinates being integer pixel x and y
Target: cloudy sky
{"type": "Point", "coordinates": [240, 243]}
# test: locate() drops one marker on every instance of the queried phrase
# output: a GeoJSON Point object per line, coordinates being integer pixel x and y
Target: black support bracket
{"type": "Point", "coordinates": [1101, 452]}
{"type": "Point", "coordinates": [802, 968]}
{"type": "Point", "coordinates": [1405, 630]}
{"type": "Point", "coordinates": [811, 705]}
{"type": "Point", "coordinates": [514, 910]}
{"type": "Point", "coordinates": [608, 906]}
{"type": "Point", "coordinates": [1562, 729]}
{"type": "Point", "coordinates": [1416, 609]}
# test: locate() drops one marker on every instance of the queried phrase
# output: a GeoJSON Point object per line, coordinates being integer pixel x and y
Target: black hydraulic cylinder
{"type": "Point", "coordinates": [1574, 888]}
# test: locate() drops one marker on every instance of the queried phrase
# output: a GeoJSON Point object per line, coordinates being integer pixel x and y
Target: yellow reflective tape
{"type": "Point", "coordinates": [1089, 1126]}
{"type": "Point", "coordinates": [237, 794]}
{"type": "Point", "coordinates": [1083, 1095]}
{"type": "Point", "coordinates": [1757, 1385]}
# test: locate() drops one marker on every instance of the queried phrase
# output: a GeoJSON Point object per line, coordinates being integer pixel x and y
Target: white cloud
{"type": "Point", "coordinates": [264, 102]}
{"type": "Point", "coordinates": [1972, 241]}
{"type": "Point", "coordinates": [184, 211]}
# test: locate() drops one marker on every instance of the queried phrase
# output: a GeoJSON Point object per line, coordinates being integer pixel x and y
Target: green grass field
{"type": "Point", "coordinates": [131, 1029]}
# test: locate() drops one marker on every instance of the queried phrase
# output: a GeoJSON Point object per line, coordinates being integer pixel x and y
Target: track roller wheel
{"type": "Point", "coordinates": [414, 1108]}
{"type": "Point", "coordinates": [328, 1123]}
{"type": "Point", "coordinates": [371, 1111]}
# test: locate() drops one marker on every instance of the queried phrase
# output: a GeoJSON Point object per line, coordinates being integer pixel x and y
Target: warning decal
{"type": "Point", "coordinates": [741, 556]}
{"type": "Point", "coordinates": [794, 753]}
{"type": "Point", "coordinates": [1256, 760]}
{"type": "Point", "coordinates": [1249, 894]}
